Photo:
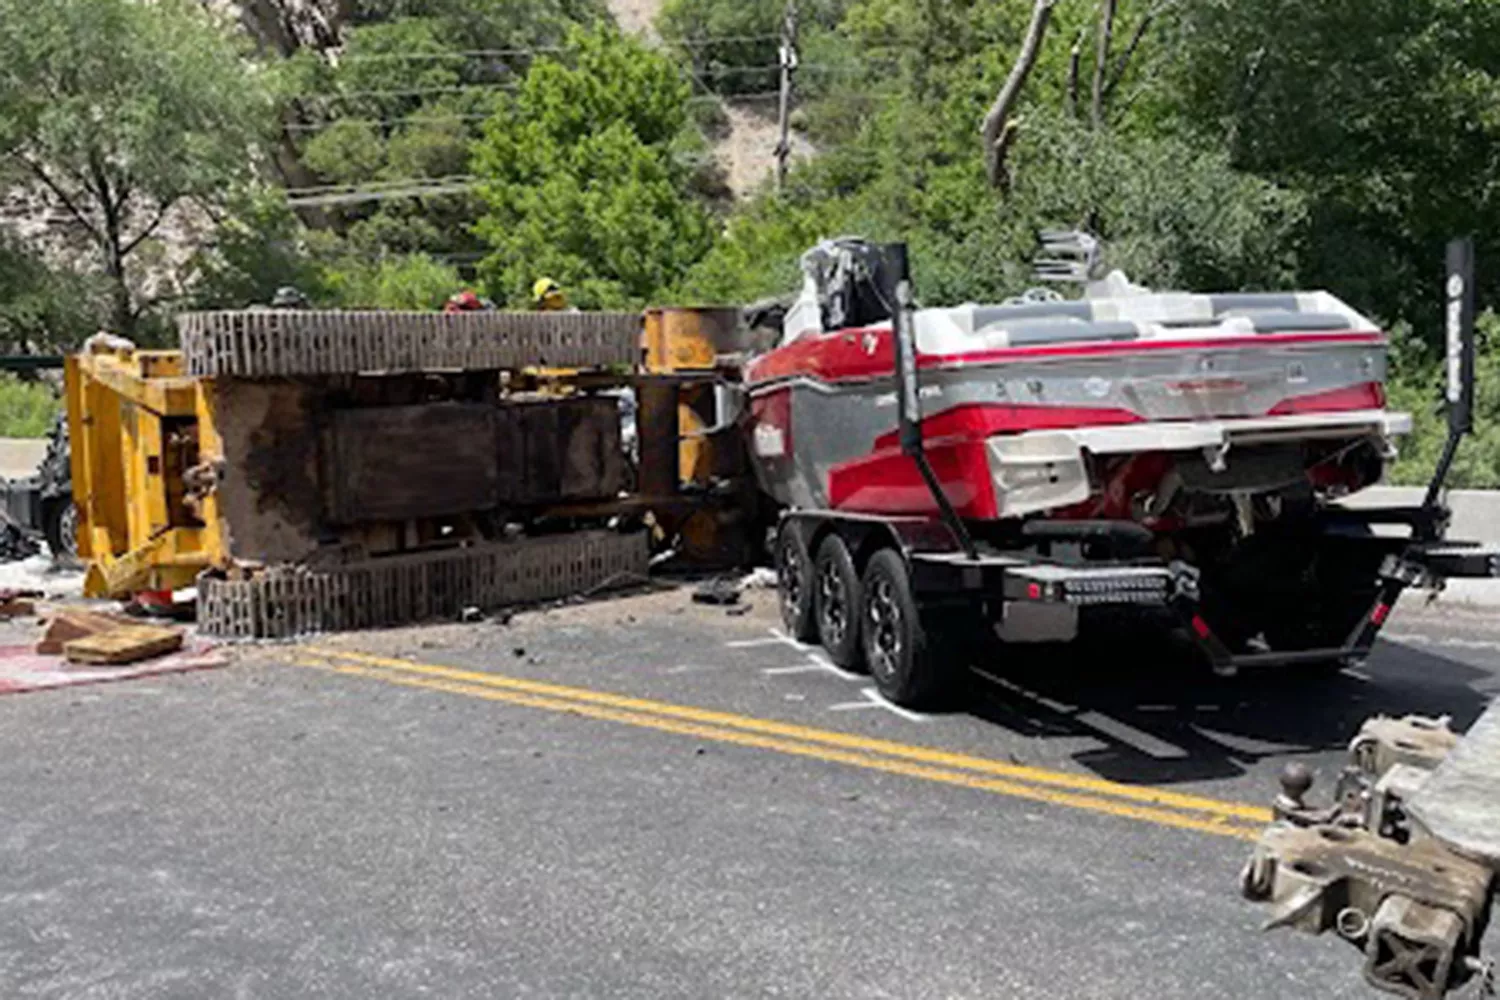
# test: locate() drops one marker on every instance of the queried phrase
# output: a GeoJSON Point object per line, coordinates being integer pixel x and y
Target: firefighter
{"type": "Point", "coordinates": [547, 296]}
{"type": "Point", "coordinates": [467, 301]}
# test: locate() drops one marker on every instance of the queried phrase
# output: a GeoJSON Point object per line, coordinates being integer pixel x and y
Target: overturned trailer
{"type": "Point", "coordinates": [944, 470]}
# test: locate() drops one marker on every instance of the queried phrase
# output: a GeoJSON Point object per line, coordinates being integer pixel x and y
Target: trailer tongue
{"type": "Point", "coordinates": [1402, 862]}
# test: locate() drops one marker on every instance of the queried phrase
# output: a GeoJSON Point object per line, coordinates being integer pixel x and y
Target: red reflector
{"type": "Point", "coordinates": [1380, 614]}
{"type": "Point", "coordinates": [1201, 627]}
{"type": "Point", "coordinates": [1034, 591]}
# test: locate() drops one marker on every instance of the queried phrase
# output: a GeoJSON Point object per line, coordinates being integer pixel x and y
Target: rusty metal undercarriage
{"type": "Point", "coordinates": [1401, 864]}
{"type": "Point", "coordinates": [314, 471]}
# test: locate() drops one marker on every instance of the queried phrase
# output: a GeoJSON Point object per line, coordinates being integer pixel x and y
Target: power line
{"type": "Point", "coordinates": [458, 88]}
{"type": "Point", "coordinates": [377, 183]}
{"type": "Point", "coordinates": [701, 42]}
{"type": "Point", "coordinates": [411, 119]}
{"type": "Point", "coordinates": [417, 118]}
{"type": "Point", "coordinates": [353, 194]}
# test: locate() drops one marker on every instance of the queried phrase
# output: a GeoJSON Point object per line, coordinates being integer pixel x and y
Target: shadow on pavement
{"type": "Point", "coordinates": [1162, 717]}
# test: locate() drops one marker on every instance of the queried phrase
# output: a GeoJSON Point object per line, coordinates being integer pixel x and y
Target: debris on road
{"type": "Point", "coordinates": [18, 603]}
{"type": "Point", "coordinates": [717, 591]}
{"type": "Point", "coordinates": [15, 544]}
{"type": "Point", "coordinates": [124, 644]}
{"type": "Point", "coordinates": [760, 578]}
{"type": "Point", "coordinates": [70, 624]}
{"type": "Point", "coordinates": [22, 669]}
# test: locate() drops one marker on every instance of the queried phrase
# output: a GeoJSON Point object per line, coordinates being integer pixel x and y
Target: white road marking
{"type": "Point", "coordinates": [787, 640]}
{"type": "Point", "coordinates": [825, 663]}
{"type": "Point", "coordinates": [872, 699]}
{"type": "Point", "coordinates": [1121, 732]}
{"type": "Point", "coordinates": [800, 668]}
{"type": "Point", "coordinates": [753, 643]}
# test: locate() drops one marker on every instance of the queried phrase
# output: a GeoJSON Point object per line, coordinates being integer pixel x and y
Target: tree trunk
{"type": "Point", "coordinates": [998, 129]}
{"type": "Point", "coordinates": [112, 245]}
{"type": "Point", "coordinates": [1075, 57]}
{"type": "Point", "coordinates": [121, 310]}
{"type": "Point", "coordinates": [1106, 29]}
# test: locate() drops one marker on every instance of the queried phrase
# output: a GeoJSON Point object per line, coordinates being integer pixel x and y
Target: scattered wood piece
{"type": "Point", "coordinates": [124, 644]}
{"type": "Point", "coordinates": [68, 625]}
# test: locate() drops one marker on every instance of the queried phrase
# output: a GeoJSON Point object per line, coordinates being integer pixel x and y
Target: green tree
{"type": "Point", "coordinates": [123, 111]}
{"type": "Point", "coordinates": [901, 158]}
{"type": "Point", "coordinates": [1382, 111]}
{"type": "Point", "coordinates": [256, 246]}
{"type": "Point", "coordinates": [44, 307]}
{"type": "Point", "coordinates": [580, 178]}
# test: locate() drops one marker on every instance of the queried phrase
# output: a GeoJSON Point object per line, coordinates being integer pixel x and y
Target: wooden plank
{"type": "Point", "coordinates": [124, 644]}
{"type": "Point", "coordinates": [397, 462]}
{"type": "Point", "coordinates": [66, 626]}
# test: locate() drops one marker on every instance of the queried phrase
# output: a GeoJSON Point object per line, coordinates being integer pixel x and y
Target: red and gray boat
{"type": "Point", "coordinates": [1126, 445]}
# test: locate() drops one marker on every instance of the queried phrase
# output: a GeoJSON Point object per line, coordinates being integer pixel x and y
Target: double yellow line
{"type": "Point", "coordinates": [1145, 803]}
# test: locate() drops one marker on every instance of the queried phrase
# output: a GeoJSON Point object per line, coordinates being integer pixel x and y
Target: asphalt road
{"type": "Point", "coordinates": [648, 798]}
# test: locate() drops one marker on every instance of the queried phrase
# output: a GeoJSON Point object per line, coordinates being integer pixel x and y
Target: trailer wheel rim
{"type": "Point", "coordinates": [833, 604]}
{"type": "Point", "coordinates": [792, 572]}
{"type": "Point", "coordinates": [885, 627]}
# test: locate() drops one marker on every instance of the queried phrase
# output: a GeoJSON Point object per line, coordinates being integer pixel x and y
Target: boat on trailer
{"type": "Point", "coordinates": [1007, 464]}
{"type": "Point", "coordinates": [1117, 403]}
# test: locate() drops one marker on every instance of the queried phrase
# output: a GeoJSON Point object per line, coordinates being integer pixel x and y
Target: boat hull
{"type": "Point", "coordinates": [1009, 431]}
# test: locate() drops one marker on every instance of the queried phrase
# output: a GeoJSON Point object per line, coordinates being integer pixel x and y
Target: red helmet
{"type": "Point", "coordinates": [464, 301]}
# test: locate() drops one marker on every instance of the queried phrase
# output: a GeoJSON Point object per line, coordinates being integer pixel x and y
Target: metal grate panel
{"type": "Point", "coordinates": [282, 343]}
{"type": "Point", "coordinates": [287, 601]}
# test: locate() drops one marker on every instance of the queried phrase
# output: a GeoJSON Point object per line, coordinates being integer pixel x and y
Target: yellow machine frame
{"type": "Point", "coordinates": [137, 424]}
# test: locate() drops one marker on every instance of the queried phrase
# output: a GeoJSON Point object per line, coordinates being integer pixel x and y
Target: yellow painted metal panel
{"type": "Point", "coordinates": [125, 409]}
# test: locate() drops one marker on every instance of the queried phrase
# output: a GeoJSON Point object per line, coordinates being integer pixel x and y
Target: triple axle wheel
{"type": "Point", "coordinates": [868, 620]}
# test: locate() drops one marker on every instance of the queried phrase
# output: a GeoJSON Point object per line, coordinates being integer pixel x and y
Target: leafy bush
{"type": "Point", "coordinates": [27, 409]}
{"type": "Point", "coordinates": [415, 282]}
{"type": "Point", "coordinates": [1416, 387]}
{"type": "Point", "coordinates": [43, 307]}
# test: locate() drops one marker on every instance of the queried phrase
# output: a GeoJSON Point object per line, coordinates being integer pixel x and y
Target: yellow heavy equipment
{"type": "Point", "coordinates": [310, 471]}
{"type": "Point", "coordinates": [138, 426]}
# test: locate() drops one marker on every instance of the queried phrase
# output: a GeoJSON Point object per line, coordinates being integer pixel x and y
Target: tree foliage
{"type": "Point", "coordinates": [1383, 112]}
{"type": "Point", "coordinates": [581, 180]}
{"type": "Point", "coordinates": [122, 111]}
{"type": "Point", "coordinates": [44, 307]}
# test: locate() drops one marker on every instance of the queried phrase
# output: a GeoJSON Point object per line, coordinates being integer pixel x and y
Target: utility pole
{"type": "Point", "coordinates": [788, 67]}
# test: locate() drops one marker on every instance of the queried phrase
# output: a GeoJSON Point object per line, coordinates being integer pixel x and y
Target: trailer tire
{"type": "Point", "coordinates": [905, 658]}
{"type": "Point", "coordinates": [837, 603]}
{"type": "Point", "coordinates": [794, 585]}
